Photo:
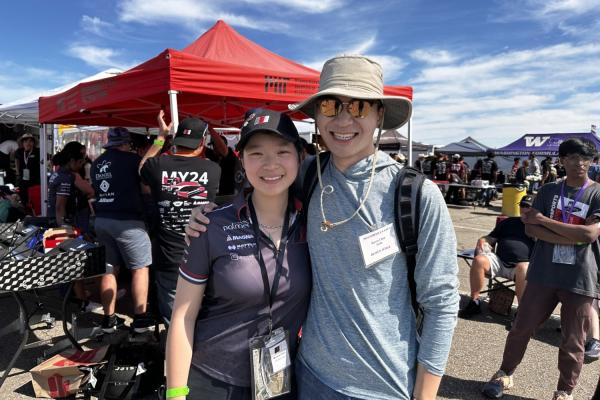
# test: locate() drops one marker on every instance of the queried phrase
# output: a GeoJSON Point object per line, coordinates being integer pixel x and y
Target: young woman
{"type": "Point", "coordinates": [65, 180]}
{"type": "Point", "coordinates": [248, 275]}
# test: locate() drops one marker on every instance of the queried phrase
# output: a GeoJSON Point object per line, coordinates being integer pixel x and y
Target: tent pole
{"type": "Point", "coordinates": [410, 156]}
{"type": "Point", "coordinates": [43, 174]}
{"type": "Point", "coordinates": [174, 111]}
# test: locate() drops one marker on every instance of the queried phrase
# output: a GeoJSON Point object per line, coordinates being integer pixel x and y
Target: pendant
{"type": "Point", "coordinates": [326, 225]}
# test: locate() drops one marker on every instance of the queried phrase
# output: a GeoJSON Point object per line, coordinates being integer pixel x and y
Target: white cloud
{"type": "Point", "coordinates": [305, 6]}
{"type": "Point", "coordinates": [99, 57]}
{"type": "Point", "coordinates": [191, 13]}
{"type": "Point", "coordinates": [434, 56]}
{"type": "Point", "coordinates": [364, 46]}
{"type": "Point", "coordinates": [18, 81]}
{"type": "Point", "coordinates": [95, 25]}
{"type": "Point", "coordinates": [499, 97]}
{"type": "Point", "coordinates": [578, 18]}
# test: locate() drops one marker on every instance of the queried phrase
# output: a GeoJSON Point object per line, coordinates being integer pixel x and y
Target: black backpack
{"type": "Point", "coordinates": [409, 182]}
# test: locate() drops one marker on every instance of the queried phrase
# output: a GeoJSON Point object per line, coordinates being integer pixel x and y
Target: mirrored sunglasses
{"type": "Point", "coordinates": [357, 108]}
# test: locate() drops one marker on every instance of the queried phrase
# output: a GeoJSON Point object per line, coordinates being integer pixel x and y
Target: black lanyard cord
{"type": "Point", "coordinates": [280, 253]}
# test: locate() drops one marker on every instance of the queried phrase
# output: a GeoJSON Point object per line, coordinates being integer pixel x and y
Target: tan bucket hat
{"type": "Point", "coordinates": [357, 77]}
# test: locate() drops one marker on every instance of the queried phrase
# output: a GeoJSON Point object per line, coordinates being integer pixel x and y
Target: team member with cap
{"type": "Point", "coordinates": [121, 229]}
{"type": "Point", "coordinates": [249, 273]}
{"type": "Point", "coordinates": [178, 182]}
{"type": "Point", "coordinates": [359, 339]}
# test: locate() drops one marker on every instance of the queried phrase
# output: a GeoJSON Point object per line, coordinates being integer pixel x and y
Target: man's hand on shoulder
{"type": "Point", "coordinates": [198, 221]}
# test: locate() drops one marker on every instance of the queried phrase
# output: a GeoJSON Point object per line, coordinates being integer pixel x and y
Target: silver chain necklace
{"type": "Point", "coordinates": [270, 227]}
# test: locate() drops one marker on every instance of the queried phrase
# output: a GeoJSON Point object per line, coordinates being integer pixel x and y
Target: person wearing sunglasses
{"type": "Point", "coordinates": [360, 338]}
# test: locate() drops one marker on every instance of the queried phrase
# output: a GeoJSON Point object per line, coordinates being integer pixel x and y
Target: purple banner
{"type": "Point", "coordinates": [545, 144]}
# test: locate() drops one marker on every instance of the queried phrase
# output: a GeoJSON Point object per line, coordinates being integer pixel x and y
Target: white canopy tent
{"type": "Point", "coordinates": [25, 111]}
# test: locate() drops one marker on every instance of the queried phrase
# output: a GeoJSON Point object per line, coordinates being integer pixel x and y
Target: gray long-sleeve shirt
{"type": "Point", "coordinates": [359, 337]}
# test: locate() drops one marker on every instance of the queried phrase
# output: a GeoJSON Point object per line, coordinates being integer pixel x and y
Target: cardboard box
{"type": "Point", "coordinates": [60, 375]}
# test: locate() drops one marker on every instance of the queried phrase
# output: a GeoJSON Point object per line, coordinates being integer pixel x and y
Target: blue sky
{"type": "Point", "coordinates": [490, 69]}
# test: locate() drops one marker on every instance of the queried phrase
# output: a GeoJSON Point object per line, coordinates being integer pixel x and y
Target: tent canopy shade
{"type": "Point", "coordinates": [217, 78]}
{"type": "Point", "coordinates": [543, 144]}
{"type": "Point", "coordinates": [466, 147]}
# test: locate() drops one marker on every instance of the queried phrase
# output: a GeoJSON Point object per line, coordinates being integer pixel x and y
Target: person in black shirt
{"type": "Point", "coordinates": [121, 229]}
{"type": "Point", "coordinates": [487, 168]}
{"type": "Point", "coordinates": [27, 162]}
{"type": "Point", "coordinates": [419, 162]}
{"type": "Point", "coordinates": [509, 259]}
{"type": "Point", "coordinates": [177, 182]}
{"type": "Point", "coordinates": [441, 168]}
{"type": "Point", "coordinates": [232, 179]}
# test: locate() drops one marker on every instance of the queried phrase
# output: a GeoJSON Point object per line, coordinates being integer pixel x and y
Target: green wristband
{"type": "Point", "coordinates": [159, 142]}
{"type": "Point", "coordinates": [178, 391]}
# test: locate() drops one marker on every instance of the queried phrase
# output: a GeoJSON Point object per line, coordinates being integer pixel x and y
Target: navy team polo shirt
{"type": "Point", "coordinates": [234, 308]}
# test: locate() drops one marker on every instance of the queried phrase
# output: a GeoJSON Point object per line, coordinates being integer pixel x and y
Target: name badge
{"type": "Point", "coordinates": [563, 254]}
{"type": "Point", "coordinates": [26, 174]}
{"type": "Point", "coordinates": [270, 365]}
{"type": "Point", "coordinates": [378, 245]}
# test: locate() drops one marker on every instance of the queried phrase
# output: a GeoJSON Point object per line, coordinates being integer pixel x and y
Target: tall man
{"type": "Point", "coordinates": [360, 339]}
{"type": "Point", "coordinates": [178, 182]}
{"type": "Point", "coordinates": [120, 227]}
{"type": "Point", "coordinates": [563, 268]}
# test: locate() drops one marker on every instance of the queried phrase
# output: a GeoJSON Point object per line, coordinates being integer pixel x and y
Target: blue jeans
{"type": "Point", "coordinates": [311, 388]}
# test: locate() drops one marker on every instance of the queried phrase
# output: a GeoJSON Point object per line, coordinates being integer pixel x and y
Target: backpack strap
{"type": "Point", "coordinates": [407, 200]}
{"type": "Point", "coordinates": [311, 178]}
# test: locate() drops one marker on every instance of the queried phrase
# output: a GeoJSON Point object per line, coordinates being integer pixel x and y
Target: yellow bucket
{"type": "Point", "coordinates": [511, 197]}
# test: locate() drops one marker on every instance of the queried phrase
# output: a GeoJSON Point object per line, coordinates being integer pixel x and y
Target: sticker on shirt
{"type": "Point", "coordinates": [578, 211]}
{"type": "Point", "coordinates": [563, 254]}
{"type": "Point", "coordinates": [378, 245]}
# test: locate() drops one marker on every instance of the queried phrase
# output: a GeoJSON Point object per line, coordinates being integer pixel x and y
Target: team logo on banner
{"type": "Point", "coordinates": [535, 141]}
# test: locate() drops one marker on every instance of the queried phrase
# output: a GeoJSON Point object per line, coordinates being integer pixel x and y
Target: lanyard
{"type": "Point", "coordinates": [26, 157]}
{"type": "Point", "coordinates": [566, 215]}
{"type": "Point", "coordinates": [270, 295]}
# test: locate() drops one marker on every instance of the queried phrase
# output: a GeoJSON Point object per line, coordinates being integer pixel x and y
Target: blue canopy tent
{"type": "Point", "coordinates": [544, 144]}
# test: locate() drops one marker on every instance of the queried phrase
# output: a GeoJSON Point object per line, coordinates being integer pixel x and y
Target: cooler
{"type": "Point", "coordinates": [511, 197]}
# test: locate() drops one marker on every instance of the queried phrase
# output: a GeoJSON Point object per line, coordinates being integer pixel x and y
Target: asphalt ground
{"type": "Point", "coordinates": [476, 349]}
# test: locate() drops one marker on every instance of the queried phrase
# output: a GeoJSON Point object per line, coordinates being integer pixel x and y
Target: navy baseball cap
{"type": "Point", "coordinates": [190, 133]}
{"type": "Point", "coordinates": [262, 120]}
{"type": "Point", "coordinates": [117, 136]}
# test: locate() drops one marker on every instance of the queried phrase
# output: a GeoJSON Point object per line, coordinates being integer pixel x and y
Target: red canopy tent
{"type": "Point", "coordinates": [217, 78]}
